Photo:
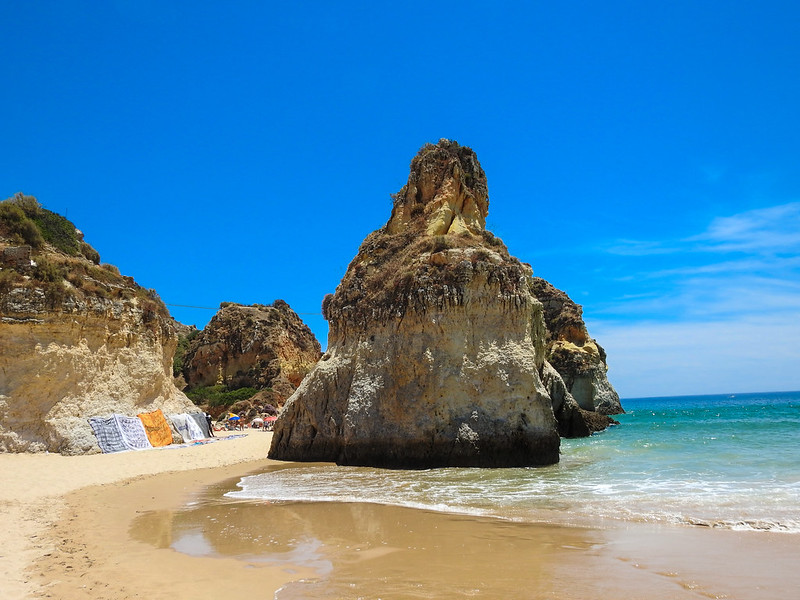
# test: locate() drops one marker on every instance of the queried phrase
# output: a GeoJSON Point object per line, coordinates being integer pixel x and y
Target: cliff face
{"type": "Point", "coordinates": [578, 359]}
{"type": "Point", "coordinates": [252, 346]}
{"type": "Point", "coordinates": [78, 340]}
{"type": "Point", "coordinates": [437, 343]}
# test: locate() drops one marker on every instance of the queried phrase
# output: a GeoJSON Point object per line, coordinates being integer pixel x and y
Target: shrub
{"type": "Point", "coordinates": [8, 279]}
{"type": "Point", "coordinates": [219, 395]}
{"type": "Point", "coordinates": [55, 294]}
{"type": "Point", "coordinates": [29, 221]}
{"type": "Point", "coordinates": [75, 278]}
{"type": "Point", "coordinates": [28, 204]}
{"type": "Point", "coordinates": [150, 311]}
{"type": "Point", "coordinates": [480, 255]}
{"type": "Point", "coordinates": [20, 228]}
{"type": "Point", "coordinates": [180, 351]}
{"type": "Point", "coordinates": [110, 268]}
{"type": "Point", "coordinates": [31, 234]}
{"type": "Point", "coordinates": [96, 289]}
{"type": "Point", "coordinates": [440, 243]}
{"type": "Point", "coordinates": [11, 214]}
{"type": "Point", "coordinates": [59, 231]}
{"type": "Point", "coordinates": [49, 272]}
{"type": "Point", "coordinates": [491, 238]}
{"type": "Point", "coordinates": [90, 253]}
{"type": "Point", "coordinates": [104, 275]}
{"type": "Point", "coordinates": [151, 303]}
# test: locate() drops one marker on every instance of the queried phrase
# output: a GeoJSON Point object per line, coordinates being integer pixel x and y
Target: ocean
{"type": "Point", "coordinates": [726, 461]}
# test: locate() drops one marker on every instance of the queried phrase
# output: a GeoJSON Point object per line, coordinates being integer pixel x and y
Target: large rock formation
{"type": "Point", "coordinates": [77, 339]}
{"type": "Point", "coordinates": [252, 346]}
{"type": "Point", "coordinates": [437, 342]}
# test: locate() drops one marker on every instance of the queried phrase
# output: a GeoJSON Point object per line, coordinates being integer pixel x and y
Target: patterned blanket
{"type": "Point", "coordinates": [200, 419]}
{"type": "Point", "coordinates": [118, 433]}
{"type": "Point", "coordinates": [109, 436]}
{"type": "Point", "coordinates": [187, 427]}
{"type": "Point", "coordinates": [156, 428]}
{"type": "Point", "coordinates": [133, 434]}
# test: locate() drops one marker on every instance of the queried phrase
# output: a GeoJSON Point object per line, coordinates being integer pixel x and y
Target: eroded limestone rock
{"type": "Point", "coordinates": [77, 340]}
{"type": "Point", "coordinates": [252, 346]}
{"type": "Point", "coordinates": [89, 357]}
{"type": "Point", "coordinates": [578, 359]}
{"type": "Point", "coordinates": [437, 343]}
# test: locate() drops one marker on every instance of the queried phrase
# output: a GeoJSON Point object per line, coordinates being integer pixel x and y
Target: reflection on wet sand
{"type": "Point", "coordinates": [361, 550]}
{"type": "Point", "coordinates": [367, 550]}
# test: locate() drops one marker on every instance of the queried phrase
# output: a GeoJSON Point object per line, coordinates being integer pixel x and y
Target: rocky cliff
{"type": "Point", "coordinates": [252, 346]}
{"type": "Point", "coordinates": [578, 358]}
{"type": "Point", "coordinates": [77, 338]}
{"type": "Point", "coordinates": [437, 344]}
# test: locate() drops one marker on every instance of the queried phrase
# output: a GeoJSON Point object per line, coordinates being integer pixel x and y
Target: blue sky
{"type": "Point", "coordinates": [642, 156]}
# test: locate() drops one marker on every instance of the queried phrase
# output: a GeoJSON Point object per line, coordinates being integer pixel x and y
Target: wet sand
{"type": "Point", "coordinates": [360, 551]}
{"type": "Point", "coordinates": [155, 524]}
{"type": "Point", "coordinates": [66, 522]}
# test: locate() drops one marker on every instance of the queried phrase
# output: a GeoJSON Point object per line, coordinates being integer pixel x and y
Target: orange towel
{"type": "Point", "coordinates": [156, 427]}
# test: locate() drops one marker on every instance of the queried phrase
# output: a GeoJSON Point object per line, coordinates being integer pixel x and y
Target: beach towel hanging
{"type": "Point", "coordinates": [177, 436]}
{"type": "Point", "coordinates": [108, 434]}
{"type": "Point", "coordinates": [133, 434]}
{"type": "Point", "coordinates": [178, 423]}
{"type": "Point", "coordinates": [186, 426]}
{"type": "Point", "coordinates": [194, 428]}
{"type": "Point", "coordinates": [200, 419]}
{"type": "Point", "coordinates": [156, 428]}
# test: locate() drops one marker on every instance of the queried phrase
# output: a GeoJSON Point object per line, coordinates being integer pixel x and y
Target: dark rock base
{"type": "Point", "coordinates": [402, 454]}
{"type": "Point", "coordinates": [574, 422]}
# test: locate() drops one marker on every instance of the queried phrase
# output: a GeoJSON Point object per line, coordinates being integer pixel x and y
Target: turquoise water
{"type": "Point", "coordinates": [721, 461]}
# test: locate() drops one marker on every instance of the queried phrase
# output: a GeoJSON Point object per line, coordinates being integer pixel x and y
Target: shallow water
{"type": "Point", "coordinates": [727, 462]}
{"type": "Point", "coordinates": [721, 461]}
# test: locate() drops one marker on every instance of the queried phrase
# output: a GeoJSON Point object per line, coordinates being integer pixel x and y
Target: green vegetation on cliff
{"type": "Point", "coordinates": [62, 263]}
{"type": "Point", "coordinates": [28, 222]}
{"type": "Point", "coordinates": [184, 341]}
{"type": "Point", "coordinates": [219, 395]}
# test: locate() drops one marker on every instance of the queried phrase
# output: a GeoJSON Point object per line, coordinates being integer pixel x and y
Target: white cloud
{"type": "Point", "coordinates": [625, 247]}
{"type": "Point", "coordinates": [768, 230]}
{"type": "Point", "coordinates": [673, 359]}
{"type": "Point", "coordinates": [764, 231]}
{"type": "Point", "coordinates": [705, 297]}
{"type": "Point", "coordinates": [745, 265]}
{"type": "Point", "coordinates": [720, 314]}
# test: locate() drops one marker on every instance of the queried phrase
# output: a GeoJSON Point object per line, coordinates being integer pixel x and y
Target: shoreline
{"type": "Point", "coordinates": [103, 526]}
{"type": "Point", "coordinates": [52, 506]}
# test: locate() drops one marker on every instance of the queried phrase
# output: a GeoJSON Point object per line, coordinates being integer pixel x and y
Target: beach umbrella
{"type": "Point", "coordinates": [236, 418]}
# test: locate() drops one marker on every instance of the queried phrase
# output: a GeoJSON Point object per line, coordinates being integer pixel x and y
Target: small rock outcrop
{"type": "Point", "coordinates": [576, 377]}
{"type": "Point", "coordinates": [258, 346]}
{"type": "Point", "coordinates": [437, 342]}
{"type": "Point", "coordinates": [77, 338]}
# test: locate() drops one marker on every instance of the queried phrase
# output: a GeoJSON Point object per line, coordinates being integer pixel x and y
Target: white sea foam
{"type": "Point", "coordinates": [532, 495]}
{"type": "Point", "coordinates": [700, 462]}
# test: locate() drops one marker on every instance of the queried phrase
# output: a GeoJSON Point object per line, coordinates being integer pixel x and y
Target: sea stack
{"type": "Point", "coordinates": [437, 342]}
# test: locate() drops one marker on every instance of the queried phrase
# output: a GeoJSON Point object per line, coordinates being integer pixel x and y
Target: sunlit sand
{"type": "Point", "coordinates": [156, 524]}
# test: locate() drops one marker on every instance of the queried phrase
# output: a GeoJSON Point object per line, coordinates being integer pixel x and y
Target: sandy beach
{"type": "Point", "coordinates": [104, 526]}
{"type": "Point", "coordinates": [66, 520]}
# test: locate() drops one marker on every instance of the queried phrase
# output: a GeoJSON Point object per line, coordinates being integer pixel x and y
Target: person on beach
{"type": "Point", "coordinates": [210, 426]}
